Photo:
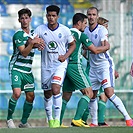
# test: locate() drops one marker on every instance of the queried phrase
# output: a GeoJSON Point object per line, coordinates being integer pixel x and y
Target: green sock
{"type": "Point", "coordinates": [26, 111]}
{"type": "Point", "coordinates": [11, 107]}
{"type": "Point", "coordinates": [101, 111]}
{"type": "Point", "coordinates": [82, 106]}
{"type": "Point", "coordinates": [85, 115]}
{"type": "Point", "coordinates": [64, 103]}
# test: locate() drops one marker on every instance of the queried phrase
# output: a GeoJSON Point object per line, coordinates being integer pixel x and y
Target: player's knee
{"type": "Point", "coordinates": [16, 95]}
{"type": "Point", "coordinates": [30, 97]}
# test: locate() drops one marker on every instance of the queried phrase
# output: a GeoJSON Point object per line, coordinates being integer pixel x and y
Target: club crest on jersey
{"type": "Point", "coordinates": [52, 45]}
{"type": "Point", "coordinates": [96, 36]}
{"type": "Point", "coordinates": [17, 41]}
{"type": "Point", "coordinates": [59, 35]}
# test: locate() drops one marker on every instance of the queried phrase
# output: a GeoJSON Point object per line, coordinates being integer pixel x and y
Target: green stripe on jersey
{"type": "Point", "coordinates": [19, 62]}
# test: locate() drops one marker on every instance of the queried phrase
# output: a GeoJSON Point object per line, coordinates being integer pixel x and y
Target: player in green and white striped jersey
{"type": "Point", "coordinates": [20, 69]}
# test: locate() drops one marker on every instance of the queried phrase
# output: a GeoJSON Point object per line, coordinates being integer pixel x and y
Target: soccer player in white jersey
{"type": "Point", "coordinates": [20, 69]}
{"type": "Point", "coordinates": [59, 45]}
{"type": "Point", "coordinates": [101, 67]}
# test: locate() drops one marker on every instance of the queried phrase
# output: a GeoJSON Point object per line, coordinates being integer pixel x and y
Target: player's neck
{"type": "Point", "coordinates": [27, 30]}
{"type": "Point", "coordinates": [93, 26]}
{"type": "Point", "coordinates": [53, 26]}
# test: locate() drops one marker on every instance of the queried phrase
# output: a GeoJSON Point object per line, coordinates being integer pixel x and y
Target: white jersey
{"type": "Point", "coordinates": [56, 41]}
{"type": "Point", "coordinates": [100, 33]}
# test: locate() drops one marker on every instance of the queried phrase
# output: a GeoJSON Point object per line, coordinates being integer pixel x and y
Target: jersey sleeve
{"type": "Point", "coordinates": [18, 39]}
{"type": "Point", "coordinates": [69, 36]}
{"type": "Point", "coordinates": [85, 40]}
{"type": "Point", "coordinates": [103, 32]}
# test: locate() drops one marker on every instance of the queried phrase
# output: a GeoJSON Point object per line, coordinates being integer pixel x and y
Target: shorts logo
{"type": "Point", "coordinates": [104, 81]}
{"type": "Point", "coordinates": [44, 86]}
{"type": "Point", "coordinates": [29, 86]}
{"type": "Point", "coordinates": [57, 78]}
{"type": "Point", "coordinates": [52, 45]}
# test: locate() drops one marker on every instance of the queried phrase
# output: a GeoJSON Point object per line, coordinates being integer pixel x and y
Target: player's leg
{"type": "Point", "coordinates": [48, 104]}
{"type": "Point", "coordinates": [57, 104]}
{"type": "Point", "coordinates": [57, 81]}
{"type": "Point", "coordinates": [119, 105]}
{"type": "Point", "coordinates": [16, 88]}
{"type": "Point", "coordinates": [65, 98]}
{"type": "Point", "coordinates": [85, 115]}
{"type": "Point", "coordinates": [46, 77]}
{"type": "Point", "coordinates": [93, 107]}
{"type": "Point", "coordinates": [102, 108]}
{"type": "Point", "coordinates": [82, 106]}
{"type": "Point", "coordinates": [82, 82]}
{"type": "Point", "coordinates": [28, 87]}
{"type": "Point", "coordinates": [109, 91]}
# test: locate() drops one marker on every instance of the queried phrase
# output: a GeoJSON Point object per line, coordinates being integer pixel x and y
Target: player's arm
{"type": "Point", "coordinates": [26, 48]}
{"type": "Point", "coordinates": [96, 50]}
{"type": "Point", "coordinates": [38, 43]}
{"type": "Point", "coordinates": [72, 46]}
{"type": "Point", "coordinates": [100, 49]}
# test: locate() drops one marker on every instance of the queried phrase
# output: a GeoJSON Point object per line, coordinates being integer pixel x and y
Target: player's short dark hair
{"type": "Point", "coordinates": [24, 11]}
{"type": "Point", "coordinates": [78, 17]}
{"type": "Point", "coordinates": [53, 8]}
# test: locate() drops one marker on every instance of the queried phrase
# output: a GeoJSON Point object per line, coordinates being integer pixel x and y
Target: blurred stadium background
{"type": "Point", "coordinates": [120, 16]}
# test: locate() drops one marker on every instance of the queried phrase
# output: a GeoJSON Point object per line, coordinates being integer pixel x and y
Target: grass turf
{"type": "Point", "coordinates": [69, 130]}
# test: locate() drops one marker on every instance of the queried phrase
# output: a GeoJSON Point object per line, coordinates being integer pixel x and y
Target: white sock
{"type": "Point", "coordinates": [48, 107]}
{"type": "Point", "coordinates": [120, 106]}
{"type": "Point", "coordinates": [57, 102]}
{"type": "Point", "coordinates": [93, 107]}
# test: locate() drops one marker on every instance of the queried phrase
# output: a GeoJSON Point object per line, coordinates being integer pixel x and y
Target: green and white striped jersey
{"type": "Point", "coordinates": [19, 62]}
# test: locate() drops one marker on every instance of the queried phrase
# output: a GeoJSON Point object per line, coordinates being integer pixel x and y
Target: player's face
{"type": "Point", "coordinates": [92, 16]}
{"type": "Point", "coordinates": [25, 21]}
{"type": "Point", "coordinates": [52, 18]}
{"type": "Point", "coordinates": [83, 25]}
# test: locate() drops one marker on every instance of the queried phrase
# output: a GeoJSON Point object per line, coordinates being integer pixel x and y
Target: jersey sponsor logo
{"type": "Point", "coordinates": [59, 35]}
{"type": "Point", "coordinates": [104, 81]}
{"type": "Point", "coordinates": [52, 45]}
{"type": "Point", "coordinates": [57, 78]}
{"type": "Point", "coordinates": [29, 86]}
{"type": "Point", "coordinates": [18, 41]}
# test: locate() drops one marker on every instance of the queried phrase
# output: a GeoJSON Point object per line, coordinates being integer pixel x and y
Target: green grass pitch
{"type": "Point", "coordinates": [70, 130]}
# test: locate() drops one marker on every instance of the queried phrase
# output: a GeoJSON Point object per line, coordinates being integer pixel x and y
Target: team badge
{"type": "Point", "coordinates": [96, 36]}
{"type": "Point", "coordinates": [59, 35]}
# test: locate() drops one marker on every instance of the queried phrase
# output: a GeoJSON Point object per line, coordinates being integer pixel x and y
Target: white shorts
{"type": "Point", "coordinates": [49, 76]}
{"type": "Point", "coordinates": [102, 77]}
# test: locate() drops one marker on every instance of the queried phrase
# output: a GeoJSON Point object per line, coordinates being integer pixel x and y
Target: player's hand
{"type": "Point", "coordinates": [37, 40]}
{"type": "Point", "coordinates": [41, 46]}
{"type": "Point", "coordinates": [131, 70]}
{"type": "Point", "coordinates": [116, 74]}
{"type": "Point", "coordinates": [107, 44]}
{"type": "Point", "coordinates": [61, 58]}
